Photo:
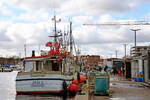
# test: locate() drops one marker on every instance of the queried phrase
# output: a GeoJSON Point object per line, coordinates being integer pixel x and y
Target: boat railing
{"type": "Point", "coordinates": [39, 73]}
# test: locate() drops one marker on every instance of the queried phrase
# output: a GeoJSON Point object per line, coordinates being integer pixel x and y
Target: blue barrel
{"type": "Point", "coordinates": [138, 79]}
{"type": "Point", "coordinates": [141, 73]}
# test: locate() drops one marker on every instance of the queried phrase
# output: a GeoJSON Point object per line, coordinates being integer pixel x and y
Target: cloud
{"type": "Point", "coordinates": [32, 17]}
{"type": "Point", "coordinates": [4, 10]}
{"type": "Point", "coordinates": [104, 6]}
{"type": "Point", "coordinates": [104, 50]}
{"type": "Point", "coordinates": [93, 39]}
{"type": "Point", "coordinates": [36, 4]}
{"type": "Point", "coordinates": [97, 7]}
{"type": "Point", "coordinates": [3, 31]}
{"type": "Point", "coordinates": [15, 35]}
{"type": "Point", "coordinates": [104, 40]}
{"type": "Point", "coordinates": [4, 37]}
{"type": "Point", "coordinates": [78, 6]}
{"type": "Point", "coordinates": [34, 25]}
{"type": "Point", "coordinates": [99, 34]}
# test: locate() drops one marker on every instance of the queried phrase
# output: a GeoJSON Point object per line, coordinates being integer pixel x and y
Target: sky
{"type": "Point", "coordinates": [29, 22]}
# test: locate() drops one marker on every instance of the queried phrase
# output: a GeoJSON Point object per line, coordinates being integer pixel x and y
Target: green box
{"type": "Point", "coordinates": [101, 85]}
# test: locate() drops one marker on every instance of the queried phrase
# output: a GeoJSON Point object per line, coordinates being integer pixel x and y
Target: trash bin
{"type": "Point", "coordinates": [101, 84]}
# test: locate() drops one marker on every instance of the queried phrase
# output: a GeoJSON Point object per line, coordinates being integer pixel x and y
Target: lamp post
{"type": "Point", "coordinates": [125, 51]}
{"type": "Point", "coordinates": [135, 30]}
{"type": "Point", "coordinates": [116, 53]}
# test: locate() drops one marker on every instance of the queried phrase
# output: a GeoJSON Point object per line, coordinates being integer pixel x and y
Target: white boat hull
{"type": "Point", "coordinates": [49, 84]}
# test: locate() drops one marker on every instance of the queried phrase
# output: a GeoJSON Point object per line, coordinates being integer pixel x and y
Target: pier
{"type": "Point", "coordinates": [121, 89]}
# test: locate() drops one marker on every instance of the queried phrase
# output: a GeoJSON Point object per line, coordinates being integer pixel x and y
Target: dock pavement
{"type": "Point", "coordinates": [122, 89]}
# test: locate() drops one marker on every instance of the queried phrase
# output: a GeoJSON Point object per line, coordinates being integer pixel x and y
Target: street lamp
{"type": "Point", "coordinates": [135, 30]}
{"type": "Point", "coordinates": [125, 50]}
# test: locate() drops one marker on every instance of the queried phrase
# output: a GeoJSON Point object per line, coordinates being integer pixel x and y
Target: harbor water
{"type": "Point", "coordinates": [8, 89]}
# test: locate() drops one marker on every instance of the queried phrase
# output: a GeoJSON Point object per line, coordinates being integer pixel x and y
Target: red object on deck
{"type": "Point", "coordinates": [48, 44]}
{"type": "Point", "coordinates": [59, 59]}
{"type": "Point", "coordinates": [56, 45]}
{"type": "Point", "coordinates": [73, 88]}
{"type": "Point", "coordinates": [51, 53]}
{"type": "Point", "coordinates": [65, 54]}
{"type": "Point", "coordinates": [75, 81]}
{"type": "Point", "coordinates": [57, 52]}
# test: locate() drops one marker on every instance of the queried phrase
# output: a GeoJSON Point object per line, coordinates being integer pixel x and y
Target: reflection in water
{"type": "Point", "coordinates": [7, 85]}
{"type": "Point", "coordinates": [26, 97]}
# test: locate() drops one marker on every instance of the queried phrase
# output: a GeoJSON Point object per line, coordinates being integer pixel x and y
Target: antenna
{"type": "Point", "coordinates": [39, 48]}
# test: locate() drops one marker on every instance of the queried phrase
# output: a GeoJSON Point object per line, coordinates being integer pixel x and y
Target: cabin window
{"type": "Point", "coordinates": [28, 66]}
{"type": "Point", "coordinates": [52, 65]}
{"type": "Point", "coordinates": [55, 66]}
{"type": "Point", "coordinates": [38, 66]}
{"type": "Point", "coordinates": [47, 65]}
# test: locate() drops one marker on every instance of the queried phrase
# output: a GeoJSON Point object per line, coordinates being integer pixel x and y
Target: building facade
{"type": "Point", "coordinates": [10, 60]}
{"type": "Point", "coordinates": [140, 62]}
{"type": "Point", "coordinates": [90, 60]}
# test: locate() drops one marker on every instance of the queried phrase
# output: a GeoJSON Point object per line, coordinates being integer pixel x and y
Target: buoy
{"type": "Point", "coordinates": [73, 89]}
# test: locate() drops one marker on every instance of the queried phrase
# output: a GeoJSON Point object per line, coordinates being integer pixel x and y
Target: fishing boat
{"type": "Point", "coordinates": [46, 74]}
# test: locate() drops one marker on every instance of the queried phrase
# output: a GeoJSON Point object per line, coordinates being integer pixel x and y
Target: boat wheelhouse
{"type": "Point", "coordinates": [42, 75]}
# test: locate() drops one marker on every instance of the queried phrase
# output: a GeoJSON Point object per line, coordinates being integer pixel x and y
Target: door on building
{"type": "Point", "coordinates": [128, 69]}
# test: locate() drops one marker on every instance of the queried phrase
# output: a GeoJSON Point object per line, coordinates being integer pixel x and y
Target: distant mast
{"type": "Point", "coordinates": [25, 49]}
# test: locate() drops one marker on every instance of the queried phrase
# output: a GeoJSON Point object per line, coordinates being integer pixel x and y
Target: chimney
{"type": "Point", "coordinates": [33, 53]}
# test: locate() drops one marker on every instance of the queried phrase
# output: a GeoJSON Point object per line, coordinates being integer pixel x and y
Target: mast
{"type": "Point", "coordinates": [70, 39]}
{"type": "Point", "coordinates": [55, 29]}
{"type": "Point", "coordinates": [55, 36]}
